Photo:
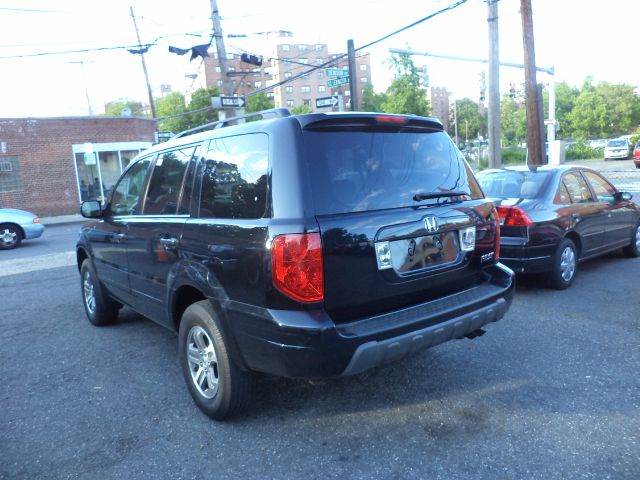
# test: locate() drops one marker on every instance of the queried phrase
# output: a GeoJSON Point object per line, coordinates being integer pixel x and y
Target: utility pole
{"type": "Point", "coordinates": [535, 142]}
{"type": "Point", "coordinates": [455, 121]}
{"type": "Point", "coordinates": [493, 84]}
{"type": "Point", "coordinates": [86, 88]}
{"type": "Point", "coordinates": [227, 86]}
{"type": "Point", "coordinates": [152, 105]}
{"type": "Point", "coordinates": [351, 53]}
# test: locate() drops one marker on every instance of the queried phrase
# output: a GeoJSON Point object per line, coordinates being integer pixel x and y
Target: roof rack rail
{"type": "Point", "coordinates": [271, 113]}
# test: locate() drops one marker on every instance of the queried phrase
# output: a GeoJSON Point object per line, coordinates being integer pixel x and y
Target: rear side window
{"type": "Point", "coordinates": [167, 177]}
{"type": "Point", "coordinates": [354, 171]}
{"type": "Point", "coordinates": [512, 183]}
{"type": "Point", "coordinates": [234, 182]}
{"type": "Point", "coordinates": [577, 187]}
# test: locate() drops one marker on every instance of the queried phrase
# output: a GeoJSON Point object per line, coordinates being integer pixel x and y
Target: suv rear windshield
{"type": "Point", "coordinates": [617, 143]}
{"type": "Point", "coordinates": [355, 171]}
{"type": "Point", "coordinates": [512, 183]}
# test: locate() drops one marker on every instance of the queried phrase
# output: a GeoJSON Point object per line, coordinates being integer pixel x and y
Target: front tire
{"type": "Point", "coordinates": [101, 310]}
{"type": "Point", "coordinates": [217, 385]}
{"type": "Point", "coordinates": [10, 236]}
{"type": "Point", "coordinates": [565, 265]}
{"type": "Point", "coordinates": [633, 249]}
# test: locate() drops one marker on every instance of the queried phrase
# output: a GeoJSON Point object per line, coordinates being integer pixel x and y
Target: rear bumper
{"type": "Point", "coordinates": [309, 345]}
{"type": "Point", "coordinates": [528, 259]}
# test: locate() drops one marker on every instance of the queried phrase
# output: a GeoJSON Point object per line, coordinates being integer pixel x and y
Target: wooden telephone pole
{"type": "Point", "coordinates": [152, 105]}
{"type": "Point", "coordinates": [535, 140]}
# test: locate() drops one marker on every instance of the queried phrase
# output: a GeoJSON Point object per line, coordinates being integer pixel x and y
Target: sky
{"type": "Point", "coordinates": [579, 38]}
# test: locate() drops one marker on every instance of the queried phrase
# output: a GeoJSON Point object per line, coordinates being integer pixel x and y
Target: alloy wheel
{"type": "Point", "coordinates": [567, 264]}
{"type": "Point", "coordinates": [89, 294]}
{"type": "Point", "coordinates": [8, 237]}
{"type": "Point", "coordinates": [638, 238]}
{"type": "Point", "coordinates": [203, 362]}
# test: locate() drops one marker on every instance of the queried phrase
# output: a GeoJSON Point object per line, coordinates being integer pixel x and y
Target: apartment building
{"type": "Point", "coordinates": [440, 98]}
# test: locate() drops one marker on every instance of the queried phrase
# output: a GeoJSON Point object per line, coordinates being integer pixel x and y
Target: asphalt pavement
{"type": "Point", "coordinates": [550, 392]}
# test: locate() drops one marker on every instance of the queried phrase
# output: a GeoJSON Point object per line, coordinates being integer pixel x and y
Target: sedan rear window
{"type": "Point", "coordinates": [355, 171]}
{"type": "Point", "coordinates": [512, 183]}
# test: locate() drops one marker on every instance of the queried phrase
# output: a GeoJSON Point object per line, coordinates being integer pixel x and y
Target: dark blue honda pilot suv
{"type": "Point", "coordinates": [302, 246]}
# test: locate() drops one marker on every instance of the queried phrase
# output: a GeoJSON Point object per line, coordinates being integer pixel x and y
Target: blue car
{"type": "Point", "coordinates": [17, 225]}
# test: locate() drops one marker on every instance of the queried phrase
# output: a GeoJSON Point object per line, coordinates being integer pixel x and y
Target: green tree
{"type": "Point", "coordinates": [566, 97]}
{"type": "Point", "coordinates": [115, 109]}
{"type": "Point", "coordinates": [200, 105]}
{"type": "Point", "coordinates": [371, 101]}
{"type": "Point", "coordinates": [405, 94]}
{"type": "Point", "coordinates": [300, 109]}
{"type": "Point", "coordinates": [471, 123]}
{"type": "Point", "coordinates": [513, 121]}
{"type": "Point", "coordinates": [257, 103]}
{"type": "Point", "coordinates": [171, 105]}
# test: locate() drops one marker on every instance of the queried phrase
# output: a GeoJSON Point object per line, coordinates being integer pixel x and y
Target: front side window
{"type": "Point", "coordinates": [126, 199]}
{"type": "Point", "coordinates": [234, 182]}
{"type": "Point", "coordinates": [604, 190]}
{"type": "Point", "coordinates": [577, 188]}
{"type": "Point", "coordinates": [166, 182]}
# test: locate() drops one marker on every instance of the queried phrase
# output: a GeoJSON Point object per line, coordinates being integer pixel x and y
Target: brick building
{"type": "Point", "coordinates": [439, 98]}
{"type": "Point", "coordinates": [48, 165]}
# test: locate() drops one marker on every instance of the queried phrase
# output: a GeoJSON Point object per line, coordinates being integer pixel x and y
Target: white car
{"type": "Point", "coordinates": [617, 149]}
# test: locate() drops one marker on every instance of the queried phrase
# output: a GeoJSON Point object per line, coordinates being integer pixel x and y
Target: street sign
{"type": "Point", "coordinates": [336, 82]}
{"type": "Point", "coordinates": [337, 72]}
{"type": "Point", "coordinates": [228, 102]}
{"type": "Point", "coordinates": [327, 102]}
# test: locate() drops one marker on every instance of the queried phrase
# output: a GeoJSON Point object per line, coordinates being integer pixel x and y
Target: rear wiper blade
{"type": "Point", "coordinates": [444, 193]}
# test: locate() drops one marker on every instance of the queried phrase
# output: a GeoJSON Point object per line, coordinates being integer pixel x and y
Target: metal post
{"type": "Point", "coordinates": [551, 127]}
{"type": "Point", "coordinates": [493, 84]}
{"type": "Point", "coordinates": [152, 105]}
{"type": "Point", "coordinates": [86, 88]}
{"type": "Point", "coordinates": [352, 75]}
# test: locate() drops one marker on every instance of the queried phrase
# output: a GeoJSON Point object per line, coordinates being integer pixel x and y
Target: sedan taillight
{"type": "Point", "coordinates": [513, 217]}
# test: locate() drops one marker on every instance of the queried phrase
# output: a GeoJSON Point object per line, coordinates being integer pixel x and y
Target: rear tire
{"type": "Point", "coordinates": [10, 236]}
{"type": "Point", "coordinates": [101, 309]}
{"type": "Point", "coordinates": [633, 249]}
{"type": "Point", "coordinates": [565, 265]}
{"type": "Point", "coordinates": [217, 385]}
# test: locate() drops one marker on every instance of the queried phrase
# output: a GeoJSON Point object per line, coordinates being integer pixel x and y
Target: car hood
{"type": "Point", "coordinates": [14, 212]}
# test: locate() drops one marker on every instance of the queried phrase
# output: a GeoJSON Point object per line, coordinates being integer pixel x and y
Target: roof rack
{"type": "Point", "coordinates": [271, 113]}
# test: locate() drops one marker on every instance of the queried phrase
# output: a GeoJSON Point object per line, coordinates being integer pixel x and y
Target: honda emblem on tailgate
{"type": "Point", "coordinates": [431, 224]}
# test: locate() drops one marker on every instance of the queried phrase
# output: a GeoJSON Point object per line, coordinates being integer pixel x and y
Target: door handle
{"type": "Point", "coordinates": [118, 237]}
{"type": "Point", "coordinates": [169, 242]}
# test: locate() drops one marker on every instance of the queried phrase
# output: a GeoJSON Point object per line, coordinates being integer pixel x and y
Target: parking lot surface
{"type": "Point", "coordinates": [550, 392]}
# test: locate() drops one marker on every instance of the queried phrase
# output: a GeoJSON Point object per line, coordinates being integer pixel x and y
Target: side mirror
{"type": "Point", "coordinates": [623, 196]}
{"type": "Point", "coordinates": [91, 209]}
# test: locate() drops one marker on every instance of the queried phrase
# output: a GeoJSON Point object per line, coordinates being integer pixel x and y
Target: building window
{"type": "Point", "coordinates": [288, 89]}
{"type": "Point", "coordinates": [289, 103]}
{"type": "Point", "coordinates": [318, 47]}
{"type": "Point", "coordinates": [347, 93]}
{"type": "Point", "coordinates": [231, 69]}
{"type": "Point", "coordinates": [219, 83]}
{"type": "Point", "coordinates": [286, 47]}
{"type": "Point", "coordinates": [287, 74]}
{"type": "Point", "coordinates": [364, 79]}
{"type": "Point", "coordinates": [306, 102]}
{"type": "Point", "coordinates": [10, 179]}
{"type": "Point", "coordinates": [304, 60]}
{"type": "Point", "coordinates": [319, 61]}
{"type": "Point", "coordinates": [320, 75]}
{"type": "Point", "coordinates": [257, 84]}
{"type": "Point", "coordinates": [218, 70]}
{"type": "Point", "coordinates": [305, 89]}
{"type": "Point", "coordinates": [230, 56]}
{"type": "Point", "coordinates": [322, 89]}
{"type": "Point", "coordinates": [302, 48]}
{"type": "Point", "coordinates": [363, 67]}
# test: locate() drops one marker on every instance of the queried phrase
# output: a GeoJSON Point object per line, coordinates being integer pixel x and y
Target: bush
{"type": "Point", "coordinates": [581, 151]}
{"type": "Point", "coordinates": [514, 156]}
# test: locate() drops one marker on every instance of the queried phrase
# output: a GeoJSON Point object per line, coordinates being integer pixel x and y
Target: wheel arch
{"type": "Point", "coordinates": [16, 225]}
{"type": "Point", "coordinates": [575, 238]}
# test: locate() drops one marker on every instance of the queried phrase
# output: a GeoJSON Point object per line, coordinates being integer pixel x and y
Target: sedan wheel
{"type": "Point", "coordinates": [565, 265]}
{"type": "Point", "coordinates": [633, 249]}
{"type": "Point", "coordinates": [10, 236]}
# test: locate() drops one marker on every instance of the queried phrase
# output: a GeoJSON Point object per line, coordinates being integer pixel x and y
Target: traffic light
{"type": "Point", "coordinates": [483, 86]}
{"type": "Point", "coordinates": [252, 59]}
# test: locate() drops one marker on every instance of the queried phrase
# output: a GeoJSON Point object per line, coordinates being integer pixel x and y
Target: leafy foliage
{"type": "Point", "coordinates": [405, 94]}
{"type": "Point", "coordinates": [471, 124]}
{"type": "Point", "coordinates": [174, 106]}
{"type": "Point", "coordinates": [257, 103]}
{"type": "Point", "coordinates": [371, 101]}
{"type": "Point", "coordinates": [115, 109]}
{"type": "Point", "coordinates": [300, 109]}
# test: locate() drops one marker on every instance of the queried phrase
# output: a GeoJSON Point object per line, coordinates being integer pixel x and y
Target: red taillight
{"type": "Point", "coordinates": [514, 217]}
{"type": "Point", "coordinates": [496, 248]}
{"type": "Point", "coordinates": [296, 266]}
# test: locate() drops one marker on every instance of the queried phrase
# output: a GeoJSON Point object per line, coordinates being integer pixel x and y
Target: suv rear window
{"type": "Point", "coordinates": [355, 171]}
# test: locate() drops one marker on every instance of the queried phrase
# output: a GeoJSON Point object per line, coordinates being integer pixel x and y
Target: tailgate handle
{"type": "Point", "coordinates": [169, 242]}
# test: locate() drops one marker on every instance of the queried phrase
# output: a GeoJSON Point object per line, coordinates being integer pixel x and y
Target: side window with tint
{"type": "Point", "coordinates": [167, 177]}
{"type": "Point", "coordinates": [577, 188]}
{"type": "Point", "coordinates": [234, 182]}
{"type": "Point", "coordinates": [126, 198]}
{"type": "Point", "coordinates": [604, 190]}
